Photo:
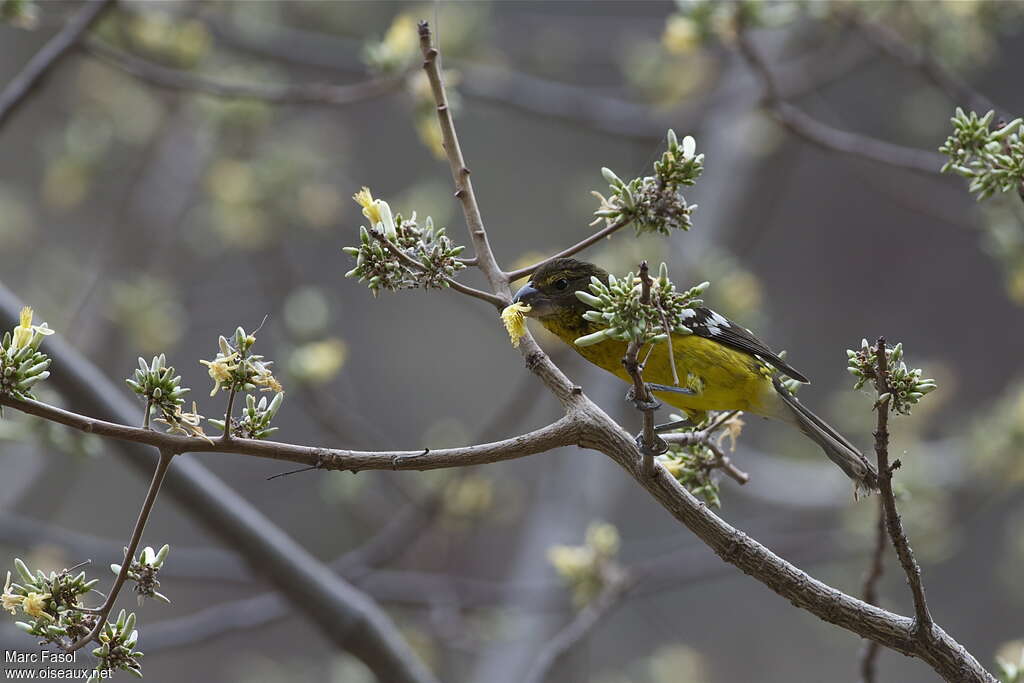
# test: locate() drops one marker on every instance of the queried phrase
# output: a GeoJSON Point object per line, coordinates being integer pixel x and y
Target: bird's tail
{"type": "Point", "coordinates": [836, 447]}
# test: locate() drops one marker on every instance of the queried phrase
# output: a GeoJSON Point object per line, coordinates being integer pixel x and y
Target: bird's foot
{"type": "Point", "coordinates": [658, 447]}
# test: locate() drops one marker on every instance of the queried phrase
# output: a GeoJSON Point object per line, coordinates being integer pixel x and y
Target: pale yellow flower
{"type": "Point", "coordinates": [220, 369]}
{"type": "Point", "coordinates": [25, 332]}
{"type": "Point", "coordinates": [514, 319]}
{"type": "Point", "coordinates": [402, 37]}
{"type": "Point", "coordinates": [370, 207]}
{"type": "Point", "coordinates": [11, 601]}
{"type": "Point", "coordinates": [265, 378]}
{"type": "Point", "coordinates": [681, 35]}
{"type": "Point", "coordinates": [34, 605]}
{"type": "Point", "coordinates": [603, 538]}
{"type": "Point", "coordinates": [572, 562]}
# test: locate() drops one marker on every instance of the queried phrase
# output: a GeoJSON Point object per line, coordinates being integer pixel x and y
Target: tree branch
{"type": "Point", "coordinates": [606, 231]}
{"type": "Point", "coordinates": [600, 432]}
{"type": "Point", "coordinates": [651, 444]}
{"type": "Point", "coordinates": [892, 43]}
{"type": "Point", "coordinates": [43, 61]}
{"type": "Point", "coordinates": [279, 93]}
{"type": "Point", "coordinates": [923, 620]}
{"type": "Point", "coordinates": [344, 615]}
{"type": "Point", "coordinates": [460, 172]}
{"type": "Point", "coordinates": [870, 591]}
{"type": "Point", "coordinates": [616, 587]}
{"type": "Point", "coordinates": [560, 433]}
{"type": "Point", "coordinates": [945, 655]}
{"type": "Point", "coordinates": [703, 437]}
{"type": "Point", "coordinates": [453, 283]}
{"type": "Point", "coordinates": [103, 611]}
{"type": "Point", "coordinates": [825, 136]}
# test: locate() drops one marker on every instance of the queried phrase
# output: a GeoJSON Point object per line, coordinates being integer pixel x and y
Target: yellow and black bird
{"type": "Point", "coordinates": [721, 366]}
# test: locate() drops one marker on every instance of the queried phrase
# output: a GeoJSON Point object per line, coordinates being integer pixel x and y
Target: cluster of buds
{"type": "Point", "coordinates": [589, 567]}
{"type": "Point", "coordinates": [398, 49]}
{"type": "Point", "coordinates": [655, 203]}
{"type": "Point", "coordinates": [905, 386]}
{"type": "Point", "coordinates": [618, 306]}
{"type": "Point", "coordinates": [117, 648]}
{"type": "Point", "coordinates": [157, 383]}
{"type": "Point", "coordinates": [693, 465]}
{"type": "Point", "coordinates": [143, 572]}
{"type": "Point", "coordinates": [396, 253]}
{"type": "Point", "coordinates": [22, 364]}
{"type": "Point", "coordinates": [256, 417]}
{"type": "Point", "coordinates": [992, 159]}
{"type": "Point", "coordinates": [51, 600]}
{"type": "Point", "coordinates": [237, 369]}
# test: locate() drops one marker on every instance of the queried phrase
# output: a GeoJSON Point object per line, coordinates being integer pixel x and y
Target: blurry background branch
{"type": "Point", "coordinates": [344, 614]}
{"type": "Point", "coordinates": [33, 73]}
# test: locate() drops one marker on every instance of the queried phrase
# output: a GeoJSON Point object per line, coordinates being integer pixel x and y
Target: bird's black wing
{"type": "Point", "coordinates": [706, 323]}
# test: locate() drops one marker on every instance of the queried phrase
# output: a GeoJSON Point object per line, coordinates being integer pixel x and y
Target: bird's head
{"type": "Point", "coordinates": [551, 291]}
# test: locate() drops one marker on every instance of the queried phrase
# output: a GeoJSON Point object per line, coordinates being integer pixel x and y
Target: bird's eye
{"type": "Point", "coordinates": [561, 283]}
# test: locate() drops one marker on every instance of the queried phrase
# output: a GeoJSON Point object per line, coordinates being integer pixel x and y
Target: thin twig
{"type": "Point", "coordinates": [703, 437]}
{"type": "Point", "coordinates": [227, 436]}
{"type": "Point", "coordinates": [279, 93]}
{"type": "Point", "coordinates": [869, 655]}
{"type": "Point", "coordinates": [460, 171]}
{"type": "Point", "coordinates": [129, 555]}
{"type": "Point", "coordinates": [43, 61]}
{"type": "Point", "coordinates": [652, 444]}
{"type": "Point", "coordinates": [828, 137]}
{"type": "Point", "coordinates": [892, 43]}
{"type": "Point", "coordinates": [579, 628]}
{"type": "Point", "coordinates": [451, 282]}
{"type": "Point", "coordinates": [923, 618]}
{"type": "Point", "coordinates": [574, 249]}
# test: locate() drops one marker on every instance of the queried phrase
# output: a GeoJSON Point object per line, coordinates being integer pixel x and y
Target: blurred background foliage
{"type": "Point", "coordinates": [140, 219]}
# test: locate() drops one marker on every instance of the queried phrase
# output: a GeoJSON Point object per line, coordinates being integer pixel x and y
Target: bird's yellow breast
{"type": "Point", "coordinates": [721, 377]}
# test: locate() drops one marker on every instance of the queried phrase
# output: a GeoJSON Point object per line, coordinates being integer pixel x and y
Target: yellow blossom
{"type": "Point", "coordinates": [220, 369]}
{"type": "Point", "coordinates": [681, 35]}
{"type": "Point", "coordinates": [34, 605]}
{"type": "Point", "coordinates": [371, 209]}
{"type": "Point", "coordinates": [25, 332]}
{"type": "Point", "coordinates": [731, 430]}
{"type": "Point", "coordinates": [515, 321]}
{"type": "Point", "coordinates": [266, 379]}
{"type": "Point", "coordinates": [402, 37]}
{"type": "Point", "coordinates": [603, 538]}
{"type": "Point", "coordinates": [11, 601]}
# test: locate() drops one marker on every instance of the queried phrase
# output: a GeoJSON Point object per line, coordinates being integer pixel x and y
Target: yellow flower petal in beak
{"type": "Point", "coordinates": [515, 321]}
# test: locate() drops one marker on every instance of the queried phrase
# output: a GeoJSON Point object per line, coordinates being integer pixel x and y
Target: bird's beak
{"type": "Point", "coordinates": [526, 295]}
